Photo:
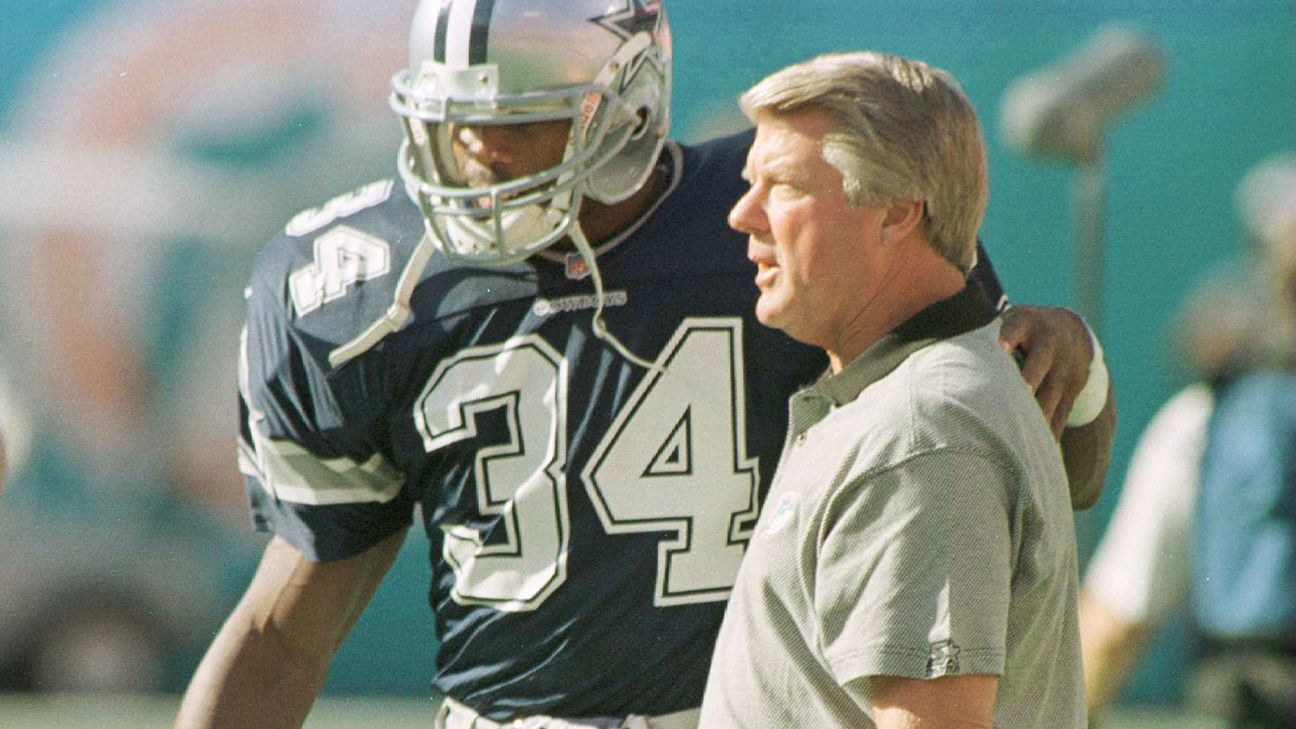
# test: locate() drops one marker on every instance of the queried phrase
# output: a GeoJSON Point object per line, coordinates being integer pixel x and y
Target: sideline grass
{"type": "Point", "coordinates": [26, 711]}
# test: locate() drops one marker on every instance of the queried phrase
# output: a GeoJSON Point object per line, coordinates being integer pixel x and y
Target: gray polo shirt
{"type": "Point", "coordinates": [919, 525]}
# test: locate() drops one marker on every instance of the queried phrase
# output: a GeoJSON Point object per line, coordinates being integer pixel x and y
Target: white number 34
{"type": "Point", "coordinates": [674, 460]}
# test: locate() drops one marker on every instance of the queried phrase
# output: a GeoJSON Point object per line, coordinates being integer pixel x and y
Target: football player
{"type": "Point", "coordinates": [542, 336]}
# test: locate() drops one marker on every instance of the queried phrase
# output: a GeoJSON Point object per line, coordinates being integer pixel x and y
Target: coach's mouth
{"type": "Point", "coordinates": [766, 263]}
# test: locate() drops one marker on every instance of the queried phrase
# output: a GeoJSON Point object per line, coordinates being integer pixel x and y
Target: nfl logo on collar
{"type": "Point", "coordinates": [577, 268]}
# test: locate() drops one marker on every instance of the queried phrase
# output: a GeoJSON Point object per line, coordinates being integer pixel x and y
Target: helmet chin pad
{"type": "Point", "coordinates": [520, 233]}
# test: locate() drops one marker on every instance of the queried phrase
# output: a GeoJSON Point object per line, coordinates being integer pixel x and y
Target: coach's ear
{"type": "Point", "coordinates": [901, 220]}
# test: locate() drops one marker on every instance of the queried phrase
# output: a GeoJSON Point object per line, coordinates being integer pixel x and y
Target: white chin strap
{"type": "Point", "coordinates": [399, 313]}
{"type": "Point", "coordinates": [599, 327]}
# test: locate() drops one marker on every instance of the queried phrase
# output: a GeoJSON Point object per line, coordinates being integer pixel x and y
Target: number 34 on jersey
{"type": "Point", "coordinates": [673, 461]}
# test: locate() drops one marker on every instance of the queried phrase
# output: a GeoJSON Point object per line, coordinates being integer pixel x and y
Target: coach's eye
{"type": "Point", "coordinates": [786, 190]}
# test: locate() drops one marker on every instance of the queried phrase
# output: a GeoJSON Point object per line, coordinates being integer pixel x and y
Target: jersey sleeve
{"type": "Point", "coordinates": [309, 447]}
{"type": "Point", "coordinates": [914, 571]}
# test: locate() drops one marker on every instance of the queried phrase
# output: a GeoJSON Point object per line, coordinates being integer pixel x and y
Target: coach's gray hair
{"type": "Point", "coordinates": [905, 132]}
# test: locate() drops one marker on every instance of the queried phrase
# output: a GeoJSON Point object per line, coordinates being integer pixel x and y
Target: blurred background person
{"type": "Point", "coordinates": [1207, 517]}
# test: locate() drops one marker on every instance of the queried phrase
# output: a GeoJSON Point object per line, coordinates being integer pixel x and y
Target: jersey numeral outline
{"type": "Point", "coordinates": [673, 461]}
{"type": "Point", "coordinates": [521, 480]}
{"type": "Point", "coordinates": [699, 483]}
{"type": "Point", "coordinates": [343, 256]}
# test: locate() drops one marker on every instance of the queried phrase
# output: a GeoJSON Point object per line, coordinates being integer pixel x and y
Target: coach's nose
{"type": "Point", "coordinates": [748, 214]}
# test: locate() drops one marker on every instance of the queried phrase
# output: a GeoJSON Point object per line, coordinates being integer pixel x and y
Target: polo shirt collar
{"type": "Point", "coordinates": [967, 310]}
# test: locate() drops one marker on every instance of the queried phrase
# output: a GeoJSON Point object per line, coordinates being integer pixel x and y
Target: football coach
{"type": "Point", "coordinates": [915, 561]}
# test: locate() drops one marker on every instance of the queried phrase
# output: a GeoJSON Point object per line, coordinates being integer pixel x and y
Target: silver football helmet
{"type": "Point", "coordinates": [604, 65]}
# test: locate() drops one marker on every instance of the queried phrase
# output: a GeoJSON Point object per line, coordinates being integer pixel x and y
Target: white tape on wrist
{"type": "Point", "coordinates": [1089, 403]}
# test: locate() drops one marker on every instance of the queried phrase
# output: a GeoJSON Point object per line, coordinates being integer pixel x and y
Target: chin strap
{"type": "Point", "coordinates": [399, 312]}
{"type": "Point", "coordinates": [597, 324]}
{"type": "Point", "coordinates": [396, 315]}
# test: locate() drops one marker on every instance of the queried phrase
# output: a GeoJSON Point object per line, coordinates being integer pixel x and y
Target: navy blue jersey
{"type": "Point", "coordinates": [586, 515]}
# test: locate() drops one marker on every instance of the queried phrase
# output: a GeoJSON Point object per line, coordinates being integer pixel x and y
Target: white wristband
{"type": "Point", "coordinates": [1089, 403]}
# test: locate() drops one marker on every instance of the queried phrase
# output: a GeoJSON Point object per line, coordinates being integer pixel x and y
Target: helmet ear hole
{"type": "Point", "coordinates": [644, 131]}
{"type": "Point", "coordinates": [641, 118]}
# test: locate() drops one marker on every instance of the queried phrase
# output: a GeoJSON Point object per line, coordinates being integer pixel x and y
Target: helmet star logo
{"type": "Point", "coordinates": [635, 17]}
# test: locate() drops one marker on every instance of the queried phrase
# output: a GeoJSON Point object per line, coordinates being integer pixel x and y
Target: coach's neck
{"type": "Point", "coordinates": [911, 277]}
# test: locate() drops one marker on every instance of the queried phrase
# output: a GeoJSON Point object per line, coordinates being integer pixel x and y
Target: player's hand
{"type": "Point", "coordinates": [1058, 352]}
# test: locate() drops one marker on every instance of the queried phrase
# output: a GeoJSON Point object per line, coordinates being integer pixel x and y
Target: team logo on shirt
{"type": "Point", "coordinates": [943, 659]}
{"type": "Point", "coordinates": [578, 302]}
{"type": "Point", "coordinates": [783, 514]}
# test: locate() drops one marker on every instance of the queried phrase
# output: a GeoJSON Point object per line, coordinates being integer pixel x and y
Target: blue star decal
{"type": "Point", "coordinates": [637, 16]}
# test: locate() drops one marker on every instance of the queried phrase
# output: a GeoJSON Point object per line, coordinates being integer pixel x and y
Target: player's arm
{"type": "Point", "coordinates": [300, 435]}
{"type": "Point", "coordinates": [1086, 453]}
{"type": "Point", "coordinates": [1059, 359]}
{"type": "Point", "coordinates": [303, 433]}
{"type": "Point", "coordinates": [950, 702]}
{"type": "Point", "coordinates": [268, 662]}
{"type": "Point", "coordinates": [1058, 352]}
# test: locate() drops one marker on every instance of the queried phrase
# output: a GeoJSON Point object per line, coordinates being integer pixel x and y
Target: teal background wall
{"type": "Point", "coordinates": [1228, 101]}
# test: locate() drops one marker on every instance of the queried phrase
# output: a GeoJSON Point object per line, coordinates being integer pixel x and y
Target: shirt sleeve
{"type": "Point", "coordinates": [1140, 569]}
{"type": "Point", "coordinates": [309, 448]}
{"type": "Point", "coordinates": [914, 570]}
